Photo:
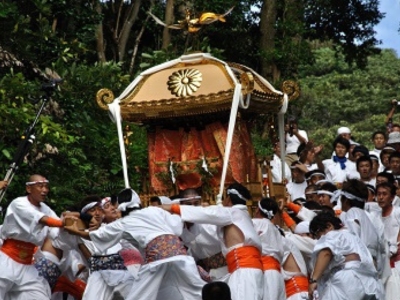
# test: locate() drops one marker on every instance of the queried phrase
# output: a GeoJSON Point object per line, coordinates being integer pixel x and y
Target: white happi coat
{"type": "Point", "coordinates": [245, 283]}
{"type": "Point", "coordinates": [347, 280]}
{"type": "Point", "coordinates": [272, 245]}
{"type": "Point", "coordinates": [391, 231]}
{"type": "Point", "coordinates": [176, 276]}
{"type": "Point", "coordinates": [370, 230]}
{"type": "Point", "coordinates": [305, 245]}
{"type": "Point", "coordinates": [21, 223]}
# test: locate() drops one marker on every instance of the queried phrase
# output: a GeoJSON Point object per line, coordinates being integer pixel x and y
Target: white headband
{"type": "Point", "coordinates": [235, 192]}
{"type": "Point", "coordinates": [104, 201]}
{"type": "Point", "coordinates": [351, 196]}
{"type": "Point", "coordinates": [36, 182]}
{"type": "Point", "coordinates": [134, 203]}
{"type": "Point", "coordinates": [89, 206]}
{"type": "Point", "coordinates": [323, 192]}
{"type": "Point", "coordinates": [268, 213]}
{"type": "Point", "coordinates": [178, 200]}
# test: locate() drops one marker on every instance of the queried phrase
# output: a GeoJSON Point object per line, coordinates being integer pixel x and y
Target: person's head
{"type": "Point", "coordinates": [344, 132]}
{"type": "Point", "coordinates": [154, 201]}
{"type": "Point", "coordinates": [341, 146]}
{"type": "Point", "coordinates": [354, 194]}
{"type": "Point", "coordinates": [109, 210]}
{"type": "Point", "coordinates": [236, 194]}
{"type": "Point", "coordinates": [216, 290]}
{"type": "Point", "coordinates": [298, 176]}
{"type": "Point", "coordinates": [277, 148]}
{"type": "Point", "coordinates": [190, 196]}
{"type": "Point", "coordinates": [128, 201]}
{"type": "Point", "coordinates": [314, 176]}
{"type": "Point", "coordinates": [303, 229]}
{"type": "Point", "coordinates": [364, 167]}
{"type": "Point", "coordinates": [375, 165]}
{"type": "Point", "coordinates": [325, 194]}
{"type": "Point", "coordinates": [311, 193]}
{"type": "Point", "coordinates": [91, 205]}
{"type": "Point", "coordinates": [384, 177]}
{"type": "Point", "coordinates": [371, 193]}
{"type": "Point", "coordinates": [385, 193]}
{"type": "Point", "coordinates": [306, 153]}
{"type": "Point", "coordinates": [394, 162]}
{"type": "Point", "coordinates": [322, 223]}
{"type": "Point", "coordinates": [267, 208]}
{"type": "Point", "coordinates": [37, 188]}
{"type": "Point", "coordinates": [384, 156]}
{"type": "Point", "coordinates": [359, 151]}
{"type": "Point", "coordinates": [395, 128]}
{"type": "Point", "coordinates": [379, 139]}
{"type": "Point", "coordinates": [394, 140]}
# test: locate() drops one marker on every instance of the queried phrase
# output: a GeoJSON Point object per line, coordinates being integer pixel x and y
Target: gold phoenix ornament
{"type": "Point", "coordinates": [184, 82]}
{"type": "Point", "coordinates": [191, 24]}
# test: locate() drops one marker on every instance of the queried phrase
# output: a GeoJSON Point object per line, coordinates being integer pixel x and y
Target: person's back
{"type": "Point", "coordinates": [217, 290]}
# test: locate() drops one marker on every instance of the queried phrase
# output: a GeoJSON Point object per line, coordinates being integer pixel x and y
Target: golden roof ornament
{"type": "Point", "coordinates": [184, 82]}
{"type": "Point", "coordinates": [192, 24]}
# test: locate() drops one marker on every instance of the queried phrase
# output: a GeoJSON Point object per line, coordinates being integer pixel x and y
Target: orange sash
{"type": "Point", "coordinates": [270, 263]}
{"type": "Point", "coordinates": [295, 285]}
{"type": "Point", "coordinates": [244, 257]}
{"type": "Point", "coordinates": [19, 251]}
{"type": "Point", "coordinates": [74, 289]}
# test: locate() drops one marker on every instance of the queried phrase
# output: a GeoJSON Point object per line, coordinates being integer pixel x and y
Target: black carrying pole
{"type": "Point", "coordinates": [28, 137]}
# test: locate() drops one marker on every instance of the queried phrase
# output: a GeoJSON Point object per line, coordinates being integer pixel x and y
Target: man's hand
{"type": "Point", "coordinates": [3, 184]}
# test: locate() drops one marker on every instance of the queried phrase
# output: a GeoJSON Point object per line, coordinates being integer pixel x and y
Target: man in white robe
{"type": "Point", "coordinates": [26, 225]}
{"type": "Point", "coordinates": [272, 249]}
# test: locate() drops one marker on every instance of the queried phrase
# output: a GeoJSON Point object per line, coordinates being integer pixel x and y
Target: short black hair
{"type": "Point", "coordinates": [242, 190]}
{"type": "Point", "coordinates": [216, 290]}
{"type": "Point", "coordinates": [388, 176]}
{"type": "Point", "coordinates": [394, 154]}
{"type": "Point", "coordinates": [358, 189]}
{"type": "Point", "coordinates": [363, 158]}
{"type": "Point", "coordinates": [341, 140]}
{"type": "Point", "coordinates": [379, 132]}
{"type": "Point", "coordinates": [392, 188]}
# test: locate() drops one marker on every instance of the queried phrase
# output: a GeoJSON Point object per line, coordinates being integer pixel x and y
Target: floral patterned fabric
{"type": "Point", "coordinates": [48, 270]}
{"type": "Point", "coordinates": [213, 262]}
{"type": "Point", "coordinates": [164, 246]}
{"type": "Point", "coordinates": [107, 262]}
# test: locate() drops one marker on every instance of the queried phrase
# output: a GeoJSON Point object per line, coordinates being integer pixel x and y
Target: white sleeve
{"type": "Point", "coordinates": [216, 215]}
{"type": "Point", "coordinates": [107, 236]}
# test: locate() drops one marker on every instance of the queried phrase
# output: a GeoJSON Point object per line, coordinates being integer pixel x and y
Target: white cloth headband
{"type": "Point", "coordinates": [134, 203]}
{"type": "Point", "coordinates": [104, 201]}
{"type": "Point", "coordinates": [89, 206]}
{"type": "Point", "coordinates": [351, 196]}
{"type": "Point", "coordinates": [268, 213]}
{"type": "Point", "coordinates": [36, 182]}
{"type": "Point", "coordinates": [323, 192]}
{"type": "Point", "coordinates": [235, 192]}
{"type": "Point", "coordinates": [185, 199]}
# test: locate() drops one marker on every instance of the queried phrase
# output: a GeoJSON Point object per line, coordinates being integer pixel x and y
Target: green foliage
{"type": "Point", "coordinates": [335, 94]}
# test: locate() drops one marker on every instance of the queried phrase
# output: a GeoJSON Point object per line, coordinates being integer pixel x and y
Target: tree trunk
{"type": "Point", "coordinates": [100, 37]}
{"type": "Point", "coordinates": [267, 40]}
{"type": "Point", "coordinates": [126, 29]}
{"type": "Point", "coordinates": [169, 19]}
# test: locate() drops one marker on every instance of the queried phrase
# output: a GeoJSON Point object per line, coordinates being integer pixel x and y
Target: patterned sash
{"type": "Point", "coordinates": [213, 262]}
{"type": "Point", "coordinates": [164, 246]}
{"type": "Point", "coordinates": [48, 270]}
{"type": "Point", "coordinates": [107, 262]}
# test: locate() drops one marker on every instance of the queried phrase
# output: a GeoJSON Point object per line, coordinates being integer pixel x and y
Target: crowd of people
{"type": "Point", "coordinates": [334, 235]}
